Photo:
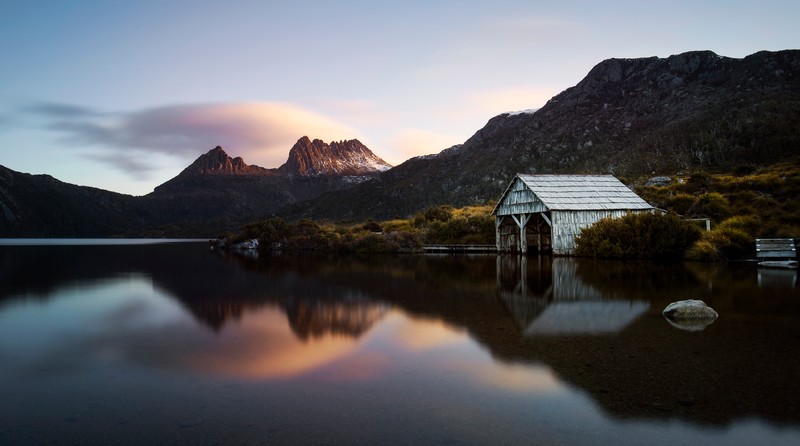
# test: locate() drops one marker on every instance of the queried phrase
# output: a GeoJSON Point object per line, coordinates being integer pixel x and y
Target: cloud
{"type": "Point", "coordinates": [261, 132]}
{"type": "Point", "coordinates": [60, 110]}
{"type": "Point", "coordinates": [133, 165]}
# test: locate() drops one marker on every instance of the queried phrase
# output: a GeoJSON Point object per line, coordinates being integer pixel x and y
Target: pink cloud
{"type": "Point", "coordinates": [261, 132]}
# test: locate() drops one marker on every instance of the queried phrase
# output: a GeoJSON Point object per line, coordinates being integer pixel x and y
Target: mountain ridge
{"type": "Point", "coordinates": [218, 162]}
{"type": "Point", "coordinates": [215, 193]}
{"type": "Point", "coordinates": [627, 117]}
{"type": "Point", "coordinates": [316, 158]}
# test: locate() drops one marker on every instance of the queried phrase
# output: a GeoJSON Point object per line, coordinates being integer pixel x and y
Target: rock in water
{"type": "Point", "coordinates": [690, 309]}
{"type": "Point", "coordinates": [690, 315]}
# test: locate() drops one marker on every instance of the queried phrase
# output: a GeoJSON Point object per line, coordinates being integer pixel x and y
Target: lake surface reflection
{"type": "Point", "coordinates": [173, 344]}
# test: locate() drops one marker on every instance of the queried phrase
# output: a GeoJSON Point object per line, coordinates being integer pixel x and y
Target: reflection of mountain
{"type": "Point", "coordinates": [317, 318]}
{"type": "Point", "coordinates": [215, 290]}
{"type": "Point", "coordinates": [744, 365]}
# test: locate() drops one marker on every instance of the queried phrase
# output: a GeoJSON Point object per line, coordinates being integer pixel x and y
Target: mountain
{"type": "Point", "coordinates": [217, 192]}
{"type": "Point", "coordinates": [317, 158]}
{"type": "Point", "coordinates": [627, 117]}
{"type": "Point", "coordinates": [214, 194]}
{"type": "Point", "coordinates": [217, 162]}
{"type": "Point", "coordinates": [42, 206]}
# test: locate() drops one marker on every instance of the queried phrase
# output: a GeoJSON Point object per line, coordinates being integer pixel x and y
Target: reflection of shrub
{"type": "Point", "coordinates": [641, 236]}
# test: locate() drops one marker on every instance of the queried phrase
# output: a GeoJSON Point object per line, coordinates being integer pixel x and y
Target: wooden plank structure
{"type": "Point", "coordinates": [776, 248]}
{"type": "Point", "coordinates": [450, 249]}
{"type": "Point", "coordinates": [545, 213]}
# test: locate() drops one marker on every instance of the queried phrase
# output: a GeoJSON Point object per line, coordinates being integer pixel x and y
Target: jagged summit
{"type": "Point", "coordinates": [336, 165]}
{"type": "Point", "coordinates": [317, 158]}
{"type": "Point", "coordinates": [217, 162]}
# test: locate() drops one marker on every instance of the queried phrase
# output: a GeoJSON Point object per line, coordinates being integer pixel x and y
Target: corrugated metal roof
{"type": "Point", "coordinates": [581, 192]}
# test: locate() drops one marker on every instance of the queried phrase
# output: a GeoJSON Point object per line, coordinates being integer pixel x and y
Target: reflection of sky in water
{"type": "Point", "coordinates": [119, 359]}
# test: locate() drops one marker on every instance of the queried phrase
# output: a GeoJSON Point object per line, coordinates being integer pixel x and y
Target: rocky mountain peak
{"type": "Point", "coordinates": [217, 162]}
{"type": "Point", "coordinates": [318, 158]}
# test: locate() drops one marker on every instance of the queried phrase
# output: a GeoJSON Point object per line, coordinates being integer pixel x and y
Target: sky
{"type": "Point", "coordinates": [122, 95]}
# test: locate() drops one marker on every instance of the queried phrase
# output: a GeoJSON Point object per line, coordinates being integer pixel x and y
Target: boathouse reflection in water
{"type": "Point", "coordinates": [551, 299]}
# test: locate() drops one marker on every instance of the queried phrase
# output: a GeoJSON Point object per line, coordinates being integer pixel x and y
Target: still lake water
{"type": "Point", "coordinates": [174, 344]}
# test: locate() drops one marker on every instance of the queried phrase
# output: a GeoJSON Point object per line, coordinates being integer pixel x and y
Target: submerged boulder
{"type": "Point", "coordinates": [690, 315]}
{"type": "Point", "coordinates": [689, 309]}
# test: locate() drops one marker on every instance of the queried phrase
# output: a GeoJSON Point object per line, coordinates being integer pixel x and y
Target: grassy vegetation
{"type": "Point", "coordinates": [742, 206]}
{"type": "Point", "coordinates": [435, 225]}
{"type": "Point", "coordinates": [638, 236]}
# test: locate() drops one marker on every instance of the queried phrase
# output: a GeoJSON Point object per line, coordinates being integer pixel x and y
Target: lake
{"type": "Point", "coordinates": [171, 343]}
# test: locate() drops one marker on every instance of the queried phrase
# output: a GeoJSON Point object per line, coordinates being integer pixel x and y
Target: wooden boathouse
{"type": "Point", "coordinates": [545, 213]}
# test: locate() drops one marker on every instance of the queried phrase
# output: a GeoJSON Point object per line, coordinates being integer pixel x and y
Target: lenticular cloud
{"type": "Point", "coordinates": [261, 132]}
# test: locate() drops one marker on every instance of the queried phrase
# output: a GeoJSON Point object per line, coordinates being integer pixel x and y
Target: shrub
{"type": "Point", "coordinates": [640, 235]}
{"type": "Point", "coordinates": [698, 182]}
{"type": "Point", "coordinates": [465, 230]}
{"type": "Point", "coordinates": [747, 223]}
{"type": "Point", "coordinates": [711, 205]}
{"type": "Point", "coordinates": [681, 203]}
{"type": "Point", "coordinates": [703, 250]}
{"type": "Point", "coordinates": [372, 243]}
{"type": "Point", "coordinates": [398, 225]}
{"type": "Point", "coordinates": [433, 214]}
{"type": "Point", "coordinates": [372, 226]}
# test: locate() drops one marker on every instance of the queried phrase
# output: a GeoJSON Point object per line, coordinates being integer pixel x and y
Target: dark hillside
{"type": "Point", "coordinates": [628, 117]}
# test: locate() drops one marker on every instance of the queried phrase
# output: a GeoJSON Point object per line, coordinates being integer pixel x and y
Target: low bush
{"type": "Point", "coordinates": [433, 214]}
{"type": "Point", "coordinates": [440, 225]}
{"type": "Point", "coordinates": [731, 239]}
{"type": "Point", "coordinates": [638, 236]}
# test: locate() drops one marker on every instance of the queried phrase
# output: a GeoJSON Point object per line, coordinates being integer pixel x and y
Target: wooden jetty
{"type": "Point", "coordinates": [459, 249]}
{"type": "Point", "coordinates": [776, 252]}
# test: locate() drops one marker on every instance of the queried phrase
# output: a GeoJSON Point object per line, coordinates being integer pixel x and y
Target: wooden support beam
{"type": "Point", "coordinates": [523, 233]}
{"type": "Point", "coordinates": [498, 221]}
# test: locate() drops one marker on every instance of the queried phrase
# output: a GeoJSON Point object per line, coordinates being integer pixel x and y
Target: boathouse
{"type": "Point", "coordinates": [545, 213]}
